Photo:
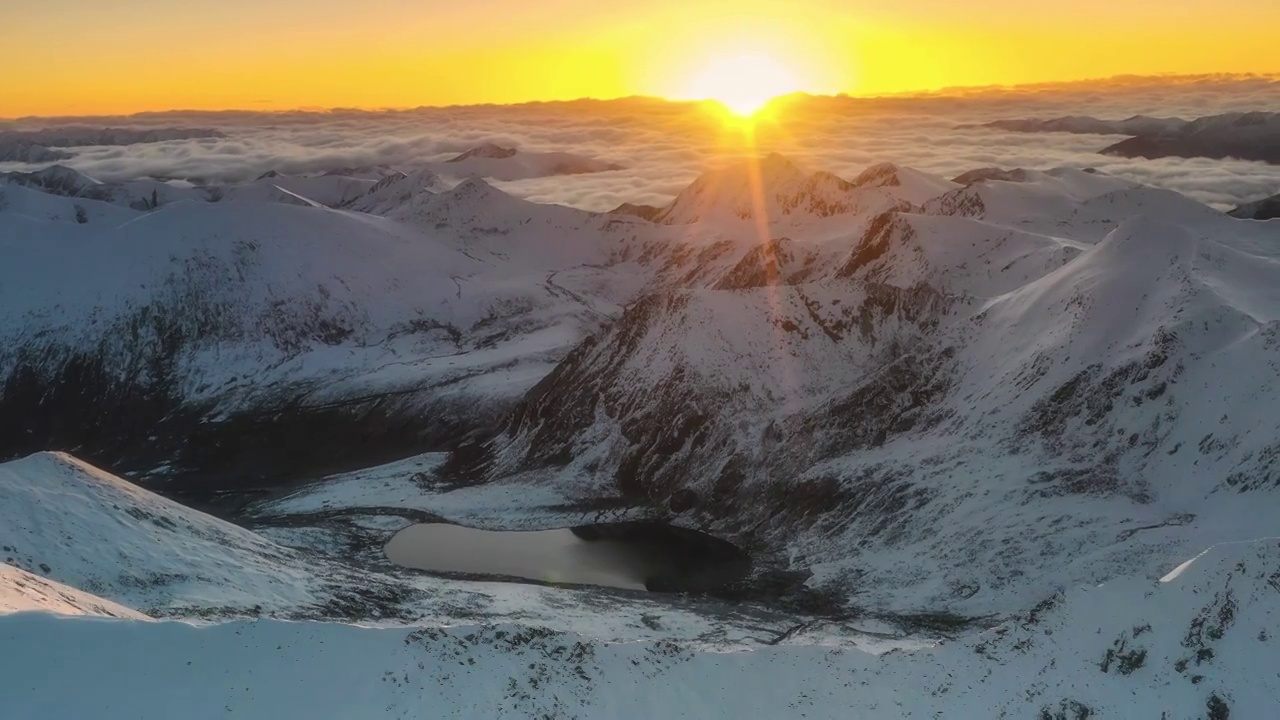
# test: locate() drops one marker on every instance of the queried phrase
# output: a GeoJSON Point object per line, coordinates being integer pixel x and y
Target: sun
{"type": "Point", "coordinates": [743, 83]}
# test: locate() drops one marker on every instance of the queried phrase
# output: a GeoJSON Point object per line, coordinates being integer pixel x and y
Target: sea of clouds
{"type": "Point", "coordinates": [664, 145]}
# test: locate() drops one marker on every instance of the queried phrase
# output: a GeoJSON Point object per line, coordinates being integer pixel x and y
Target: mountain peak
{"type": "Point", "coordinates": [492, 151]}
{"type": "Point", "coordinates": [62, 172]}
{"type": "Point", "coordinates": [56, 180]}
{"type": "Point", "coordinates": [880, 175]}
{"type": "Point", "coordinates": [775, 164]}
{"type": "Point", "coordinates": [395, 190]}
{"type": "Point", "coordinates": [903, 183]}
{"type": "Point", "coordinates": [474, 186]}
{"type": "Point", "coordinates": [775, 187]}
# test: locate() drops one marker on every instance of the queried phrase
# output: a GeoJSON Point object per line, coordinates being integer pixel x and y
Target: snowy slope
{"type": "Point", "coordinates": [251, 303]}
{"type": "Point", "coordinates": [74, 526]}
{"type": "Point", "coordinates": [1200, 644]}
{"type": "Point", "coordinates": [904, 183]}
{"type": "Point", "coordinates": [135, 194]}
{"type": "Point", "coordinates": [397, 191]}
{"type": "Point", "coordinates": [80, 526]}
{"type": "Point", "coordinates": [329, 189]}
{"type": "Point", "coordinates": [21, 591]}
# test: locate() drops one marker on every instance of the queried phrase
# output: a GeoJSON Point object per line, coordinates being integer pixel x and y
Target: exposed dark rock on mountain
{"type": "Point", "coordinates": [1264, 209]}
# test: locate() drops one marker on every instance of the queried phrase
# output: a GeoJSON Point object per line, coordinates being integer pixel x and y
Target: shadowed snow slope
{"type": "Point", "coordinates": [447, 309]}
{"type": "Point", "coordinates": [91, 530]}
{"type": "Point", "coordinates": [1201, 644]}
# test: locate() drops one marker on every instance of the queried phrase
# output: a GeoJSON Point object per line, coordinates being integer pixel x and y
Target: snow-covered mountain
{"type": "Point", "coordinates": [1244, 136]}
{"type": "Point", "coordinates": [1267, 208]}
{"type": "Point", "coordinates": [198, 311]}
{"type": "Point", "coordinates": [1240, 135]}
{"type": "Point", "coordinates": [1024, 384]}
{"type": "Point", "coordinates": [87, 529]}
{"type": "Point", "coordinates": [42, 145]}
{"type": "Point", "coordinates": [506, 164]}
{"type": "Point", "coordinates": [135, 194]}
{"type": "Point", "coordinates": [25, 151]}
{"type": "Point", "coordinates": [417, 310]}
{"type": "Point", "coordinates": [1019, 400]}
{"type": "Point", "coordinates": [397, 191]}
{"type": "Point", "coordinates": [332, 189]}
{"type": "Point", "coordinates": [904, 183]}
{"type": "Point", "coordinates": [81, 135]}
{"type": "Point", "coordinates": [774, 191]}
{"type": "Point", "coordinates": [329, 189]}
{"type": "Point", "coordinates": [815, 367]}
{"type": "Point", "coordinates": [1136, 125]}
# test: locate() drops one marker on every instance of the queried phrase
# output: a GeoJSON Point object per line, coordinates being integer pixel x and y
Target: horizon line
{"type": "Point", "coordinates": [903, 95]}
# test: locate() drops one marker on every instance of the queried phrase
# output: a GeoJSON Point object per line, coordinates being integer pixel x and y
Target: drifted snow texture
{"type": "Point", "coordinates": [1199, 645]}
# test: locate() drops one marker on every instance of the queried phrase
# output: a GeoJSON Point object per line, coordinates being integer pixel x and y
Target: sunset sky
{"type": "Point", "coordinates": [87, 56]}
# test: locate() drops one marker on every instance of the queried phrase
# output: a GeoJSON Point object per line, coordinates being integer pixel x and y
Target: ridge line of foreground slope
{"type": "Point", "coordinates": [1198, 644]}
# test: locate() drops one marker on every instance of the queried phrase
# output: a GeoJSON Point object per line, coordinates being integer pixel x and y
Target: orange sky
{"type": "Point", "coordinates": [87, 56]}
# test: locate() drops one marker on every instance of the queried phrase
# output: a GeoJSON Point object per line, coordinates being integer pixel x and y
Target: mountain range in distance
{"type": "Point", "coordinates": [1242, 135]}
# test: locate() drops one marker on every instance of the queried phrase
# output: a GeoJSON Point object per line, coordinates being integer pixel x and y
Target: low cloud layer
{"type": "Point", "coordinates": [663, 145]}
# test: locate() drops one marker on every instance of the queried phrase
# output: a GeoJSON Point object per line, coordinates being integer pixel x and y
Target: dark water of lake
{"type": "Point", "coordinates": [631, 555]}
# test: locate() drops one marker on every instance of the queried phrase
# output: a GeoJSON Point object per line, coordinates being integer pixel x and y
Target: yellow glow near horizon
{"type": "Point", "coordinates": [287, 54]}
{"type": "Point", "coordinates": [743, 83]}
